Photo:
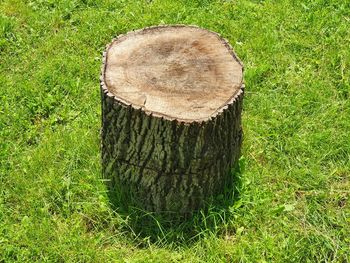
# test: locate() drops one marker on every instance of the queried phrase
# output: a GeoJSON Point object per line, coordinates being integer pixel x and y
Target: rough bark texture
{"type": "Point", "coordinates": [163, 164]}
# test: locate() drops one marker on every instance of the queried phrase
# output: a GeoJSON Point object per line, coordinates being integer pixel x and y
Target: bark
{"type": "Point", "coordinates": [168, 165]}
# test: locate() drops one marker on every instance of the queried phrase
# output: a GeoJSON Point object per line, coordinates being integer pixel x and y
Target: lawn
{"type": "Point", "coordinates": [291, 201]}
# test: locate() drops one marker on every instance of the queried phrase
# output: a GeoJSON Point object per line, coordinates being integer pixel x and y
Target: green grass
{"type": "Point", "coordinates": [292, 201]}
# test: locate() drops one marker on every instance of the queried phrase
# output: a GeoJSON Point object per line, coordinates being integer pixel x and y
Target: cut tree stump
{"type": "Point", "coordinates": [171, 117]}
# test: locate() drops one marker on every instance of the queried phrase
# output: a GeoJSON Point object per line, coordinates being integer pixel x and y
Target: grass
{"type": "Point", "coordinates": [292, 201]}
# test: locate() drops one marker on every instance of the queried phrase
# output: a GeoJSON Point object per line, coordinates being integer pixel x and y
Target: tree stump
{"type": "Point", "coordinates": [171, 117]}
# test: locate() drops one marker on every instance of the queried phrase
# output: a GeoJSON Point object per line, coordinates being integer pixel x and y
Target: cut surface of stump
{"type": "Point", "coordinates": [171, 117]}
{"type": "Point", "coordinates": [183, 73]}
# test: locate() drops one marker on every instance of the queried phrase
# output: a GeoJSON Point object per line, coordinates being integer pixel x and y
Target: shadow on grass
{"type": "Point", "coordinates": [172, 228]}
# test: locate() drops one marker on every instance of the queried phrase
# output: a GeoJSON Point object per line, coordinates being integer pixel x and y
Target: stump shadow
{"type": "Point", "coordinates": [172, 228]}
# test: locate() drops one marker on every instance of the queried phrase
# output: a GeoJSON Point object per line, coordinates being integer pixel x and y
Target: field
{"type": "Point", "coordinates": [291, 201]}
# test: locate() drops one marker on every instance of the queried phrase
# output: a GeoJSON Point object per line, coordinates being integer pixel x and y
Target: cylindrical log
{"type": "Point", "coordinates": [171, 117]}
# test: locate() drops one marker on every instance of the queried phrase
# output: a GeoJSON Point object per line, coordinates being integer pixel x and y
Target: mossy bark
{"type": "Point", "coordinates": [159, 164]}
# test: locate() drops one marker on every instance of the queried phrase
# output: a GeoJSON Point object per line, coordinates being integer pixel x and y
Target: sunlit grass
{"type": "Point", "coordinates": [292, 194]}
